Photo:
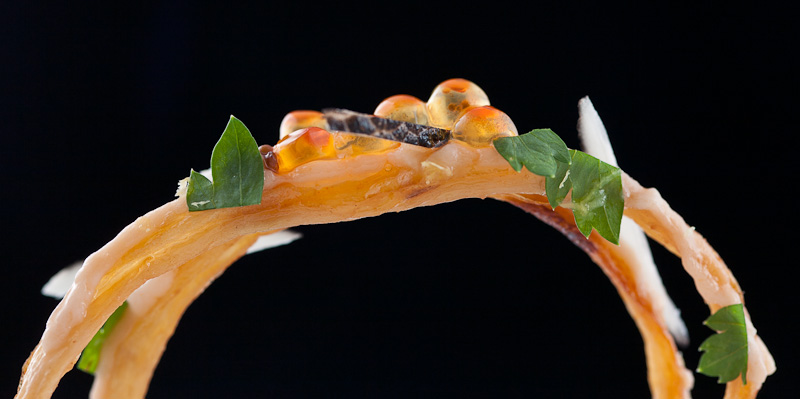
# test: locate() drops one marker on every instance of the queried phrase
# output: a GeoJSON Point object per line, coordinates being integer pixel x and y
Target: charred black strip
{"type": "Point", "coordinates": [353, 122]}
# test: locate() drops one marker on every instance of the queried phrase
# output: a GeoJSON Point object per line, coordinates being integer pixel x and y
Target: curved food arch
{"type": "Point", "coordinates": [165, 259]}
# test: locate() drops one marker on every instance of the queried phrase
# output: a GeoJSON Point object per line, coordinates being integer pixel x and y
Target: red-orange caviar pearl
{"type": "Point", "coordinates": [303, 146]}
{"type": "Point", "coordinates": [404, 108]}
{"type": "Point", "coordinates": [479, 126]}
{"type": "Point", "coordinates": [301, 119]}
{"type": "Point", "coordinates": [451, 99]}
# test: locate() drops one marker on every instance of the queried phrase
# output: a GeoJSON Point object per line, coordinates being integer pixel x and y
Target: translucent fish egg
{"type": "Point", "coordinates": [296, 120]}
{"type": "Point", "coordinates": [451, 99]}
{"type": "Point", "coordinates": [479, 126]}
{"type": "Point", "coordinates": [403, 108]}
{"type": "Point", "coordinates": [302, 146]}
{"type": "Point", "coordinates": [313, 143]}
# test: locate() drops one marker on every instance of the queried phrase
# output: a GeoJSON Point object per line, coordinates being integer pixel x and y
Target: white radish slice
{"type": "Point", "coordinates": [59, 284]}
{"type": "Point", "coordinates": [595, 142]}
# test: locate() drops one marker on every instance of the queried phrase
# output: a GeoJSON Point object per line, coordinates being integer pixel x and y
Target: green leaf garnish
{"type": "Point", "coordinates": [558, 186]}
{"type": "Point", "coordinates": [237, 172]}
{"type": "Point", "coordinates": [202, 190]}
{"type": "Point", "coordinates": [91, 354]}
{"type": "Point", "coordinates": [540, 150]}
{"type": "Point", "coordinates": [596, 196]}
{"type": "Point", "coordinates": [596, 186]}
{"type": "Point", "coordinates": [725, 353]}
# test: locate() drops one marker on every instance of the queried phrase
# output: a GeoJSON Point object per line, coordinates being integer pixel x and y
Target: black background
{"type": "Point", "coordinates": [105, 108]}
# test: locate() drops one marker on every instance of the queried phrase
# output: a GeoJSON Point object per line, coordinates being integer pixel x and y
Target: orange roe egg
{"type": "Point", "coordinates": [403, 108]}
{"type": "Point", "coordinates": [302, 119]}
{"type": "Point", "coordinates": [451, 98]}
{"type": "Point", "coordinates": [479, 126]}
{"type": "Point", "coordinates": [312, 144]}
{"type": "Point", "coordinates": [302, 146]}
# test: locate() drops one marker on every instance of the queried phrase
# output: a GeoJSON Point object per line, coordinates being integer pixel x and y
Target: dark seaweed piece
{"type": "Point", "coordinates": [344, 120]}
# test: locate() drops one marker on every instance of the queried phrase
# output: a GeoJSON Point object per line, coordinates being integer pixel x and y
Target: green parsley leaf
{"type": "Point", "coordinates": [596, 196]}
{"type": "Point", "coordinates": [91, 354]}
{"type": "Point", "coordinates": [558, 186]}
{"type": "Point", "coordinates": [200, 189]}
{"type": "Point", "coordinates": [596, 186]}
{"type": "Point", "coordinates": [237, 171]}
{"type": "Point", "coordinates": [540, 150]}
{"type": "Point", "coordinates": [725, 353]}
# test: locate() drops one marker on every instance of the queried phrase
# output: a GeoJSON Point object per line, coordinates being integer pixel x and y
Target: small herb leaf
{"type": "Point", "coordinates": [596, 186]}
{"type": "Point", "coordinates": [201, 190]}
{"type": "Point", "coordinates": [539, 151]}
{"type": "Point", "coordinates": [558, 187]}
{"type": "Point", "coordinates": [596, 196]}
{"type": "Point", "coordinates": [236, 169]}
{"type": "Point", "coordinates": [91, 354]}
{"type": "Point", "coordinates": [725, 353]}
